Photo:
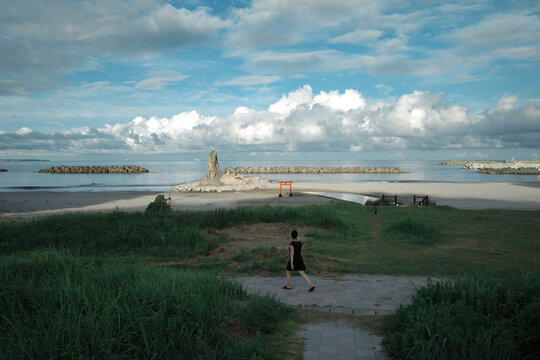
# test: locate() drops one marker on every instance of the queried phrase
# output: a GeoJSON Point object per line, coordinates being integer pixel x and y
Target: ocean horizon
{"type": "Point", "coordinates": [23, 174]}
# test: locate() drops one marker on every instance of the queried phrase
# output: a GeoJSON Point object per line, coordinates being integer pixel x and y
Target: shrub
{"type": "Point", "coordinates": [160, 204]}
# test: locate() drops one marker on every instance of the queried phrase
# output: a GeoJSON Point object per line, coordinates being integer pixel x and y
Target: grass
{"type": "Point", "coordinates": [116, 233]}
{"type": "Point", "coordinates": [345, 238]}
{"type": "Point", "coordinates": [472, 317]}
{"type": "Point", "coordinates": [412, 232]}
{"type": "Point", "coordinates": [61, 275]}
{"type": "Point", "coordinates": [436, 241]}
{"type": "Point", "coordinates": [53, 305]}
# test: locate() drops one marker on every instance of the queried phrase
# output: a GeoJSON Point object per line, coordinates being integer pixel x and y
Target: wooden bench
{"type": "Point", "coordinates": [403, 200]}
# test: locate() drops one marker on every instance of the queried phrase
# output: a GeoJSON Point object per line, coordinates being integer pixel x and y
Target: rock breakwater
{"type": "Point", "coordinates": [125, 169]}
{"type": "Point", "coordinates": [506, 167]}
{"type": "Point", "coordinates": [315, 170]}
{"type": "Point", "coordinates": [463, 162]}
{"type": "Point", "coordinates": [510, 171]}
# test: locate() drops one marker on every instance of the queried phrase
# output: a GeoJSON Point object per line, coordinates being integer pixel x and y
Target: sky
{"type": "Point", "coordinates": [451, 79]}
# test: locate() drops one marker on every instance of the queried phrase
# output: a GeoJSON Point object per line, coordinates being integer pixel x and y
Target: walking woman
{"type": "Point", "coordinates": [296, 263]}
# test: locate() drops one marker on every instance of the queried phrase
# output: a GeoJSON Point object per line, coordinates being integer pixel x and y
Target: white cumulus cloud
{"type": "Point", "coordinates": [306, 121]}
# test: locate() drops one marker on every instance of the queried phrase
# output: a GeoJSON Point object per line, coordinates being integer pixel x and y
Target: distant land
{"type": "Point", "coordinates": [14, 160]}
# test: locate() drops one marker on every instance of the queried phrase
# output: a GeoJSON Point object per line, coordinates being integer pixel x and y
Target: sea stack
{"type": "Point", "coordinates": [213, 174]}
{"type": "Point", "coordinates": [216, 181]}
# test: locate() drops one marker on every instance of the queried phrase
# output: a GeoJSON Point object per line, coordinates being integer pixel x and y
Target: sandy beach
{"type": "Point", "coordinates": [460, 195]}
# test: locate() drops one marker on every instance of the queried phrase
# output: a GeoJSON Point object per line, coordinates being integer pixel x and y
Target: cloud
{"type": "Point", "coordinates": [160, 79]}
{"type": "Point", "coordinates": [385, 89]}
{"type": "Point", "coordinates": [250, 80]}
{"type": "Point", "coordinates": [358, 37]}
{"type": "Point", "coordinates": [41, 42]}
{"type": "Point", "coordinates": [499, 30]}
{"type": "Point", "coordinates": [23, 131]}
{"type": "Point", "coordinates": [305, 121]}
{"type": "Point", "coordinates": [285, 23]}
{"type": "Point", "coordinates": [451, 42]}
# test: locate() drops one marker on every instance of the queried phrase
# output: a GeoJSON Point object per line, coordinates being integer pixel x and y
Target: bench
{"type": "Point", "coordinates": [403, 200]}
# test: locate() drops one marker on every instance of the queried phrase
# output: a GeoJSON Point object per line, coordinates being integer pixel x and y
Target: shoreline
{"type": "Point", "coordinates": [519, 195]}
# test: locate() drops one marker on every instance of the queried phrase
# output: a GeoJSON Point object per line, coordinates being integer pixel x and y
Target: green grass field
{"type": "Point", "coordinates": [79, 284]}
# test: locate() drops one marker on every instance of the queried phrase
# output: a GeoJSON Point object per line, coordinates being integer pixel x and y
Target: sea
{"type": "Point", "coordinates": [164, 174]}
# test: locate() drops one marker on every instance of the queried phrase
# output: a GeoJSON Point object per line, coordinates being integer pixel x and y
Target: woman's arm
{"type": "Point", "coordinates": [291, 250]}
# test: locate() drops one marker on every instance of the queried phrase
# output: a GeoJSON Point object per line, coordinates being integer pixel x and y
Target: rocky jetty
{"type": "Point", "coordinates": [509, 167]}
{"type": "Point", "coordinates": [125, 169]}
{"type": "Point", "coordinates": [315, 170]}
{"type": "Point", "coordinates": [510, 171]}
{"type": "Point", "coordinates": [3, 170]}
{"type": "Point", "coordinates": [513, 167]}
{"type": "Point", "coordinates": [217, 181]}
{"type": "Point", "coordinates": [463, 162]}
{"type": "Point", "coordinates": [521, 161]}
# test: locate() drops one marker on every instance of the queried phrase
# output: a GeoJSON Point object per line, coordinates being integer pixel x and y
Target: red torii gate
{"type": "Point", "coordinates": [281, 183]}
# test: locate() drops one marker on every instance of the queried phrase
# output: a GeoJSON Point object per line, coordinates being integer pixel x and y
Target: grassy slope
{"type": "Point", "coordinates": [53, 305]}
{"type": "Point", "coordinates": [346, 238]}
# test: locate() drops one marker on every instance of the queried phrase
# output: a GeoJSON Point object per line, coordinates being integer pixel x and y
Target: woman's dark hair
{"type": "Point", "coordinates": [294, 234]}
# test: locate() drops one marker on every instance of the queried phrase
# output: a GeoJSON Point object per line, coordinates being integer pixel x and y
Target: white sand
{"type": "Point", "coordinates": [459, 195]}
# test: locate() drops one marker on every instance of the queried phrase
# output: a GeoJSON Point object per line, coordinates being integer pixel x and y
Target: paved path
{"type": "Point", "coordinates": [352, 294]}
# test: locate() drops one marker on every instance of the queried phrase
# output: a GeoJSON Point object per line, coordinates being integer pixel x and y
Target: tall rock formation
{"type": "Point", "coordinates": [215, 181]}
{"type": "Point", "coordinates": [213, 174]}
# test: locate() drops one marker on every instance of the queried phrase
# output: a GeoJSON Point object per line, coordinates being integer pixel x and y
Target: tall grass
{"type": "Point", "coordinates": [99, 234]}
{"type": "Point", "coordinates": [52, 305]}
{"type": "Point", "coordinates": [159, 233]}
{"type": "Point", "coordinates": [329, 216]}
{"type": "Point", "coordinates": [471, 317]}
{"type": "Point", "coordinates": [411, 231]}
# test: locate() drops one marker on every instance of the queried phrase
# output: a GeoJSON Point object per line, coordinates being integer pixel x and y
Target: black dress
{"type": "Point", "coordinates": [297, 257]}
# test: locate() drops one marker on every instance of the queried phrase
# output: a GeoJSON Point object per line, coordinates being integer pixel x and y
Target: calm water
{"type": "Point", "coordinates": [164, 174]}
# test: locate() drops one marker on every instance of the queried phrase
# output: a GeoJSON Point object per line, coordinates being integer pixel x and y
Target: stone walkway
{"type": "Point", "coordinates": [351, 294]}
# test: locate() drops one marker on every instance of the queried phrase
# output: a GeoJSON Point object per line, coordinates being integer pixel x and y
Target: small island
{"type": "Point", "coordinates": [125, 169]}
{"type": "Point", "coordinates": [316, 170]}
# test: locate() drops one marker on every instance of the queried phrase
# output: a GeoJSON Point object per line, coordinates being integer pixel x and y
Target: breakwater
{"type": "Point", "coordinates": [506, 167]}
{"type": "Point", "coordinates": [509, 171]}
{"type": "Point", "coordinates": [315, 170]}
{"type": "Point", "coordinates": [124, 169]}
{"type": "Point", "coordinates": [464, 162]}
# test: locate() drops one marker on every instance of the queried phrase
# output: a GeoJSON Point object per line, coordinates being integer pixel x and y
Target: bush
{"type": "Point", "coordinates": [472, 317]}
{"type": "Point", "coordinates": [160, 204]}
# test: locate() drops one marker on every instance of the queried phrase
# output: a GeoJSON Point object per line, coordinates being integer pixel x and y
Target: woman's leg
{"type": "Point", "coordinates": [288, 279]}
{"type": "Point", "coordinates": [304, 275]}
